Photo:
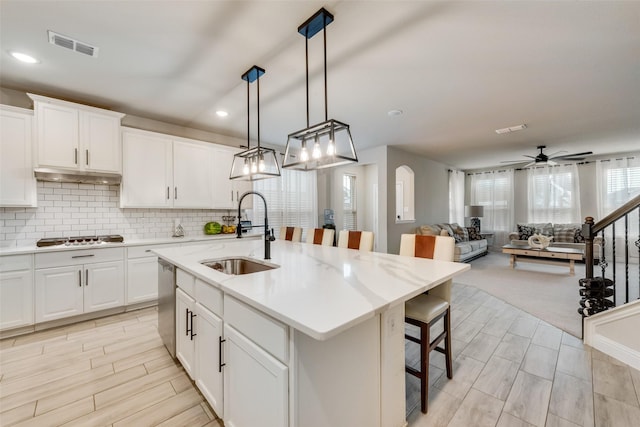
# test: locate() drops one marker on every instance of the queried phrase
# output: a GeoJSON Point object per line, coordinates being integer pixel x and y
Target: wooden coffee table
{"type": "Point", "coordinates": [550, 255]}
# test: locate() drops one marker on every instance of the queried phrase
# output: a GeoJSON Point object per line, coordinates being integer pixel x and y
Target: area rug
{"type": "Point", "coordinates": [545, 291]}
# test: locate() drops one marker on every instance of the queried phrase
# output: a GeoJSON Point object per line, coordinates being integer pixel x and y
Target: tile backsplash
{"type": "Point", "coordinates": [85, 209]}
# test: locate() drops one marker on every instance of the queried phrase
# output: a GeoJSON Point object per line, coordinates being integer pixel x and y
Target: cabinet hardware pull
{"type": "Point", "coordinates": [86, 277]}
{"type": "Point", "coordinates": [220, 364]}
{"type": "Point", "coordinates": [232, 195]}
{"type": "Point", "coordinates": [148, 250]}
{"type": "Point", "coordinates": [75, 156]}
{"type": "Point", "coordinates": [186, 322]}
{"type": "Point", "coordinates": [237, 196]}
{"type": "Point", "coordinates": [167, 193]}
{"type": "Point", "coordinates": [83, 256]}
{"type": "Point", "coordinates": [192, 334]}
{"type": "Point", "coordinates": [175, 193]}
{"type": "Point", "coordinates": [80, 278]}
{"type": "Point", "coordinates": [87, 157]}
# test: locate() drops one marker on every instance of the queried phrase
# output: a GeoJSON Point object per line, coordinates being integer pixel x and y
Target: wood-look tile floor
{"type": "Point", "coordinates": [112, 371]}
{"type": "Point", "coordinates": [513, 369]}
{"type": "Point", "coordinates": [510, 369]}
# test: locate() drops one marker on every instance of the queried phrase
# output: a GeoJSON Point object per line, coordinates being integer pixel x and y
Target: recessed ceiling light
{"type": "Point", "coordinates": [394, 112]}
{"type": "Point", "coordinates": [24, 57]}
{"type": "Point", "coordinates": [222, 113]}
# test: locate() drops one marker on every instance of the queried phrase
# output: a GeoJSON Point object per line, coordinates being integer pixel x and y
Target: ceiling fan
{"type": "Point", "coordinates": [544, 159]}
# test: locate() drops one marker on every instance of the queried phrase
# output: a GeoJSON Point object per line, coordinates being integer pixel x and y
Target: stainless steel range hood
{"type": "Point", "coordinates": [81, 177]}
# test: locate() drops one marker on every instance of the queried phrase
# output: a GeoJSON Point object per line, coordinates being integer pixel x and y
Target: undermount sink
{"type": "Point", "coordinates": [237, 265]}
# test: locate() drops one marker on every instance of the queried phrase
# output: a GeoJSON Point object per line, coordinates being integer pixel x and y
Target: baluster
{"type": "Point", "coordinates": [626, 257]}
{"type": "Point", "coordinates": [613, 252]}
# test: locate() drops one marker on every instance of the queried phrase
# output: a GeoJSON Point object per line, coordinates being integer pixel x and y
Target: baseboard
{"type": "Point", "coordinates": [607, 345]}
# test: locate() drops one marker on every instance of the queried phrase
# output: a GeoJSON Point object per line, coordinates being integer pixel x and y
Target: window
{"type": "Point", "coordinates": [291, 200]}
{"type": "Point", "coordinates": [554, 194]}
{"type": "Point", "coordinates": [456, 197]}
{"type": "Point", "coordinates": [349, 206]}
{"type": "Point", "coordinates": [618, 182]}
{"type": "Point", "coordinates": [494, 191]}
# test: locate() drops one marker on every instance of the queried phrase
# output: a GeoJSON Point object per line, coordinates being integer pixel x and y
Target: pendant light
{"type": "Point", "coordinates": [259, 162]}
{"type": "Point", "coordinates": [328, 143]}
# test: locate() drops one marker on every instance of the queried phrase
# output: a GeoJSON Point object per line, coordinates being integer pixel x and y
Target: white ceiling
{"type": "Point", "coordinates": [570, 70]}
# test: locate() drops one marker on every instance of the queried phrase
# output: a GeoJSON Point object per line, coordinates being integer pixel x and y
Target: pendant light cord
{"type": "Point", "coordinates": [324, 32]}
{"type": "Point", "coordinates": [258, 85]}
{"type": "Point", "coordinates": [248, 118]}
{"type": "Point", "coordinates": [306, 58]}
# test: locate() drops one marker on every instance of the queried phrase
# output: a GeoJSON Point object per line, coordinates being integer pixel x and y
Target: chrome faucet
{"type": "Point", "coordinates": [268, 234]}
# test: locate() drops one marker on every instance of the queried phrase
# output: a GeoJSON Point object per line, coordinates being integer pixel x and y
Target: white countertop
{"type": "Point", "coordinates": [132, 242]}
{"type": "Point", "coordinates": [318, 290]}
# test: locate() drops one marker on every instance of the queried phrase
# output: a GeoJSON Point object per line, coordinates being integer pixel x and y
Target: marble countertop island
{"type": "Point", "coordinates": [320, 291]}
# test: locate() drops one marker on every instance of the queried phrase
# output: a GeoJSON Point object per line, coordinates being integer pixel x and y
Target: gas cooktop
{"type": "Point", "coordinates": [80, 240]}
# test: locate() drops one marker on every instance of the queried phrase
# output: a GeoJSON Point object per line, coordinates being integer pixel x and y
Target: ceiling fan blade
{"type": "Point", "coordinates": [551, 163]}
{"type": "Point", "coordinates": [530, 164]}
{"type": "Point", "coordinates": [514, 161]}
{"type": "Point", "coordinates": [531, 157]}
{"type": "Point", "coordinates": [571, 156]}
{"type": "Point", "coordinates": [554, 155]}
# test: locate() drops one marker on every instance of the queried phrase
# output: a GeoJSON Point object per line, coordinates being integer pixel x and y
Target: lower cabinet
{"type": "Point", "coordinates": [72, 290]}
{"type": "Point", "coordinates": [208, 351]}
{"type": "Point", "coordinates": [142, 280]}
{"type": "Point", "coordinates": [256, 389]}
{"type": "Point", "coordinates": [185, 344]}
{"type": "Point", "coordinates": [16, 291]}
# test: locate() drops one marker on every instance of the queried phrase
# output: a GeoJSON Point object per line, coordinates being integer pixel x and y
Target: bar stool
{"type": "Point", "coordinates": [426, 309]}
{"type": "Point", "coordinates": [292, 234]}
{"type": "Point", "coordinates": [320, 236]}
{"type": "Point", "coordinates": [361, 240]}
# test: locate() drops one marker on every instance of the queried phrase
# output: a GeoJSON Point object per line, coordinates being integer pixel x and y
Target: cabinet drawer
{"type": "Point", "coordinates": [77, 257]}
{"type": "Point", "coordinates": [553, 255]}
{"type": "Point", "coordinates": [144, 251]}
{"type": "Point", "coordinates": [265, 331]}
{"type": "Point", "coordinates": [209, 296]}
{"type": "Point", "coordinates": [15, 262]}
{"type": "Point", "coordinates": [186, 282]}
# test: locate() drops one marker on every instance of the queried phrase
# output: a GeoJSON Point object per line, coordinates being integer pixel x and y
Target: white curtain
{"type": "Point", "coordinates": [456, 197]}
{"type": "Point", "coordinates": [554, 194]}
{"type": "Point", "coordinates": [291, 199]}
{"type": "Point", "coordinates": [494, 191]}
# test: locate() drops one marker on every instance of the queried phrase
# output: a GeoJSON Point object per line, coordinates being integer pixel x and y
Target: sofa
{"type": "Point", "coordinates": [469, 243]}
{"type": "Point", "coordinates": [564, 236]}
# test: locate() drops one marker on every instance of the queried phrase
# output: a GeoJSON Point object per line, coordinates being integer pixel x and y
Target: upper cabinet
{"type": "Point", "coordinates": [17, 184]}
{"type": "Point", "coordinates": [76, 137]}
{"type": "Point", "coordinates": [161, 171]}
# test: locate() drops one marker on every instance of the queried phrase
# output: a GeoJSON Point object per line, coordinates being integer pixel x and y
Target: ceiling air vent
{"type": "Point", "coordinates": [69, 43]}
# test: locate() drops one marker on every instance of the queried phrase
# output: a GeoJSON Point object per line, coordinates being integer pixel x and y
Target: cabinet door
{"type": "Point", "coordinates": [59, 293]}
{"type": "Point", "coordinates": [103, 285]}
{"type": "Point", "coordinates": [17, 184]}
{"type": "Point", "coordinates": [146, 171]}
{"type": "Point", "coordinates": [253, 379]}
{"type": "Point", "coordinates": [57, 132]}
{"type": "Point", "coordinates": [224, 194]}
{"type": "Point", "coordinates": [192, 180]}
{"type": "Point", "coordinates": [142, 280]}
{"type": "Point", "coordinates": [209, 377]}
{"type": "Point", "coordinates": [185, 344]}
{"type": "Point", "coordinates": [16, 299]}
{"type": "Point", "coordinates": [101, 142]}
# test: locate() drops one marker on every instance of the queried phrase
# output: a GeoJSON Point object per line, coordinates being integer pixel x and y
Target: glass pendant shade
{"type": "Point", "coordinates": [324, 145]}
{"type": "Point", "coordinates": [254, 164]}
{"type": "Point", "coordinates": [259, 162]}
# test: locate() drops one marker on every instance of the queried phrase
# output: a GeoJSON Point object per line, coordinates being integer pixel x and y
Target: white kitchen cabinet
{"type": "Point", "coordinates": [16, 291]}
{"type": "Point", "coordinates": [76, 137]}
{"type": "Point", "coordinates": [17, 183]}
{"type": "Point", "coordinates": [142, 280]}
{"type": "Point", "coordinates": [160, 171]}
{"type": "Point", "coordinates": [208, 350]}
{"type": "Point", "coordinates": [185, 344]}
{"type": "Point", "coordinates": [256, 389]}
{"type": "Point", "coordinates": [70, 283]}
{"type": "Point", "coordinates": [227, 191]}
{"type": "Point", "coordinates": [147, 171]}
{"type": "Point", "coordinates": [192, 178]}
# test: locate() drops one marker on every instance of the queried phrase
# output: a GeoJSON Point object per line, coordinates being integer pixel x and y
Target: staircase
{"type": "Point", "coordinates": [611, 306]}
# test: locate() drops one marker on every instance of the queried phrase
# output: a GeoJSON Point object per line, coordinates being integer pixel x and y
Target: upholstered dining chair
{"type": "Point", "coordinates": [320, 236]}
{"type": "Point", "coordinates": [292, 234]}
{"type": "Point", "coordinates": [361, 240]}
{"type": "Point", "coordinates": [425, 310]}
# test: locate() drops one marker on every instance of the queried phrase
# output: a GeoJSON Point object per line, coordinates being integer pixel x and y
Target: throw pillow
{"type": "Point", "coordinates": [545, 229]}
{"type": "Point", "coordinates": [564, 235]}
{"type": "Point", "coordinates": [524, 232]}
{"type": "Point", "coordinates": [430, 230]}
{"type": "Point", "coordinates": [578, 237]}
{"type": "Point", "coordinates": [447, 227]}
{"type": "Point", "coordinates": [461, 233]}
{"type": "Point", "coordinates": [473, 233]}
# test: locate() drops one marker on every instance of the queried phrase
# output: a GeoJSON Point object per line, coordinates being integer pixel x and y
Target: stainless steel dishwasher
{"type": "Point", "coordinates": [167, 304]}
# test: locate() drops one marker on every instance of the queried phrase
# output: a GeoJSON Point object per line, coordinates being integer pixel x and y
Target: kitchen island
{"type": "Point", "coordinates": [316, 341]}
